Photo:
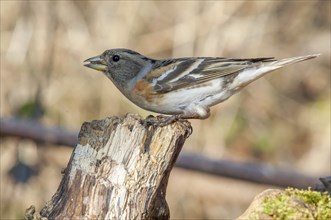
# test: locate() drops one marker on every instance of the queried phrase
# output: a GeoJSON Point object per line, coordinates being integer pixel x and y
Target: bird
{"type": "Point", "coordinates": [182, 88]}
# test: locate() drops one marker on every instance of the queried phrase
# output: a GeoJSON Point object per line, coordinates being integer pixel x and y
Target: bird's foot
{"type": "Point", "coordinates": [161, 120]}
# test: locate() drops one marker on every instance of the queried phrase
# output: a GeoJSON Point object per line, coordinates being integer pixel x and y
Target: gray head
{"type": "Point", "coordinates": [119, 65]}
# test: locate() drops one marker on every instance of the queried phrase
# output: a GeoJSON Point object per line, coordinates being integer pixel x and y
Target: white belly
{"type": "Point", "coordinates": [207, 94]}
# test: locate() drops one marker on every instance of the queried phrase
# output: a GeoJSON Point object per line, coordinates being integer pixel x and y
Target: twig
{"type": "Point", "coordinates": [32, 129]}
{"type": "Point", "coordinates": [257, 173]}
{"type": "Point", "coordinates": [253, 172]}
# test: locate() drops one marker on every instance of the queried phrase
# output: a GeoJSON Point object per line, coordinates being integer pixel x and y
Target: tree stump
{"type": "Point", "coordinates": [118, 170]}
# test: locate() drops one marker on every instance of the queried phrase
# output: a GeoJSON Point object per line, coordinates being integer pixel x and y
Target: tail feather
{"type": "Point", "coordinates": [250, 74]}
{"type": "Point", "coordinates": [288, 61]}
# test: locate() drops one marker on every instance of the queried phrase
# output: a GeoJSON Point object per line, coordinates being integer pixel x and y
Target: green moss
{"type": "Point", "coordinates": [295, 204]}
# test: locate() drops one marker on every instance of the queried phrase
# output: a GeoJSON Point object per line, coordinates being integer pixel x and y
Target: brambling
{"type": "Point", "coordinates": [184, 88]}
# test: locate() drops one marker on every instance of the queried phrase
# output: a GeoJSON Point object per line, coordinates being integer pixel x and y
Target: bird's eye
{"type": "Point", "coordinates": [116, 58]}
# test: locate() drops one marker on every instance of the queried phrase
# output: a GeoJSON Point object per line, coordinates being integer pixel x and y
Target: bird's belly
{"type": "Point", "coordinates": [175, 102]}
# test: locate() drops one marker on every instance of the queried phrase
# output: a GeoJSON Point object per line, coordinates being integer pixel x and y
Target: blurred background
{"type": "Point", "coordinates": [282, 119]}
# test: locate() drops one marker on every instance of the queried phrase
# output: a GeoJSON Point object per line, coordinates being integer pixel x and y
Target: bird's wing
{"type": "Point", "coordinates": [169, 75]}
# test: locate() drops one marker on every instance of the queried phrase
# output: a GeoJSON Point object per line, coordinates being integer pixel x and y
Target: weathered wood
{"type": "Point", "coordinates": [119, 170]}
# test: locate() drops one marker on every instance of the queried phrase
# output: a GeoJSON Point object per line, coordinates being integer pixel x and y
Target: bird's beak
{"type": "Point", "coordinates": [96, 63]}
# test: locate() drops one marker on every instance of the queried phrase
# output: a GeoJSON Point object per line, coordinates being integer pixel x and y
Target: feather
{"type": "Point", "coordinates": [187, 72]}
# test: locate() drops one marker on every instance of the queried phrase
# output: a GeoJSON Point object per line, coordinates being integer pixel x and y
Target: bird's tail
{"type": "Point", "coordinates": [250, 74]}
{"type": "Point", "coordinates": [288, 61]}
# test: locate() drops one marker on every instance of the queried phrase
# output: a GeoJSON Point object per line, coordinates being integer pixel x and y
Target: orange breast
{"type": "Point", "coordinates": [143, 90]}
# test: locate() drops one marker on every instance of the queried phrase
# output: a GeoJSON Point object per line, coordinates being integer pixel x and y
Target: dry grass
{"type": "Point", "coordinates": [282, 119]}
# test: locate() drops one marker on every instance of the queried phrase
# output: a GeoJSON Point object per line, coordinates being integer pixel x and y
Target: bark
{"type": "Point", "coordinates": [118, 170]}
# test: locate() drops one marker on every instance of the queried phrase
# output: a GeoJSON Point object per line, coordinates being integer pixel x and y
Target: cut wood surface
{"type": "Point", "coordinates": [118, 170]}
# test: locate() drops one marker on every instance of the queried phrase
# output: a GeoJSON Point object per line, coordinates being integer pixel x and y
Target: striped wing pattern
{"type": "Point", "coordinates": [169, 75]}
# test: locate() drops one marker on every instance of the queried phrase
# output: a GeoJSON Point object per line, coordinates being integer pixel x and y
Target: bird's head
{"type": "Point", "coordinates": [119, 65]}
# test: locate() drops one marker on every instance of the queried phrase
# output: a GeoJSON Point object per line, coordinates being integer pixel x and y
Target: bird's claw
{"type": "Point", "coordinates": [161, 120]}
